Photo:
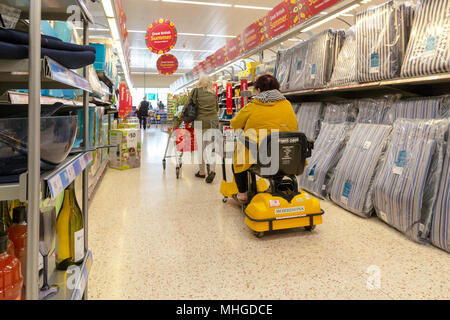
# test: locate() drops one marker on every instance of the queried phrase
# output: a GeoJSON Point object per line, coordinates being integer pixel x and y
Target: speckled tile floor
{"type": "Point", "coordinates": [156, 237]}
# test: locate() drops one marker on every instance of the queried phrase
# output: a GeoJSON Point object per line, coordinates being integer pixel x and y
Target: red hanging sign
{"type": "Point", "coordinates": [309, 8]}
{"type": "Point", "coordinates": [263, 29]}
{"type": "Point", "coordinates": [220, 57]}
{"type": "Point", "coordinates": [229, 98]}
{"type": "Point", "coordinates": [216, 89]}
{"type": "Point", "coordinates": [167, 64]}
{"type": "Point", "coordinates": [283, 17]}
{"type": "Point", "coordinates": [244, 87]}
{"type": "Point", "coordinates": [250, 38]}
{"type": "Point", "coordinates": [202, 67]}
{"type": "Point", "coordinates": [233, 48]}
{"type": "Point", "coordinates": [161, 36]}
{"type": "Point", "coordinates": [123, 100]}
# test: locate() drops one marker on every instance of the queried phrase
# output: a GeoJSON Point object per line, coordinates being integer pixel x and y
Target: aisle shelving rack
{"type": "Point", "coordinates": [33, 74]}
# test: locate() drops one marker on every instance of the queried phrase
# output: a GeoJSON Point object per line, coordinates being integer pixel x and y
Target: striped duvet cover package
{"type": "Point", "coordinates": [406, 186]}
{"type": "Point", "coordinates": [319, 59]}
{"type": "Point", "coordinates": [353, 178]}
{"type": "Point", "coordinates": [428, 49]}
{"type": "Point", "coordinates": [381, 39]}
{"type": "Point", "coordinates": [345, 66]}
{"type": "Point", "coordinates": [297, 69]}
{"type": "Point", "coordinates": [375, 111]}
{"type": "Point", "coordinates": [309, 117]}
{"type": "Point", "coordinates": [282, 68]}
{"type": "Point", "coordinates": [428, 108]}
{"type": "Point", "coordinates": [325, 156]}
{"type": "Point", "coordinates": [440, 228]}
{"type": "Point", "coordinates": [340, 112]}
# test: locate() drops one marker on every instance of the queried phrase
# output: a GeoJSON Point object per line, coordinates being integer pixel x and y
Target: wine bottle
{"type": "Point", "coordinates": [69, 232]}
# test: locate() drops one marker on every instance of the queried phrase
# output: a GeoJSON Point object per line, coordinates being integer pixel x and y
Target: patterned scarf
{"type": "Point", "coordinates": [270, 96]}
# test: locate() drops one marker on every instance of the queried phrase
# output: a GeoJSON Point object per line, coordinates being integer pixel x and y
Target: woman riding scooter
{"type": "Point", "coordinates": [269, 110]}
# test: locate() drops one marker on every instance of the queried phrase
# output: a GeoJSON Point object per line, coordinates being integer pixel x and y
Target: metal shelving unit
{"type": "Point", "coordinates": [418, 86]}
{"type": "Point", "coordinates": [33, 74]}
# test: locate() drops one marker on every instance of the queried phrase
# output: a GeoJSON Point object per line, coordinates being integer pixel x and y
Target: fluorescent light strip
{"type": "Point", "coordinates": [251, 7]}
{"type": "Point", "coordinates": [220, 36]}
{"type": "Point", "coordinates": [216, 4]}
{"type": "Point", "coordinates": [180, 50]}
{"type": "Point", "coordinates": [315, 25]}
{"type": "Point", "coordinates": [191, 34]}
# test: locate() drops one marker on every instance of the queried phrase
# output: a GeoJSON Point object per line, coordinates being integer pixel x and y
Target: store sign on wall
{"type": "Point", "coordinates": [283, 17]}
{"type": "Point", "coordinates": [309, 8]}
{"type": "Point", "coordinates": [234, 48]}
{"type": "Point", "coordinates": [167, 64]}
{"type": "Point", "coordinates": [250, 37]}
{"type": "Point", "coordinates": [220, 57]}
{"type": "Point", "coordinates": [161, 36]}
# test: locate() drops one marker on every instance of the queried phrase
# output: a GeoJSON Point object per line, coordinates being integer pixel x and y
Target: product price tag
{"type": "Point", "coordinates": [64, 178]}
{"type": "Point", "coordinates": [56, 186]}
{"type": "Point", "coordinates": [77, 168]}
{"type": "Point", "coordinates": [71, 173]}
{"type": "Point", "coordinates": [374, 63]}
{"type": "Point", "coordinates": [82, 162]}
{"type": "Point", "coordinates": [346, 192]}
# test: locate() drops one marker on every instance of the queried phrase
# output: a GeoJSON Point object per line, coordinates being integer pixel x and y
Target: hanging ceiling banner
{"type": "Point", "coordinates": [167, 64]}
{"type": "Point", "coordinates": [283, 17]}
{"type": "Point", "coordinates": [234, 48]}
{"type": "Point", "coordinates": [220, 57]}
{"type": "Point", "coordinates": [210, 63]}
{"type": "Point", "coordinates": [202, 67]}
{"type": "Point", "coordinates": [310, 8]}
{"type": "Point", "coordinates": [263, 29]}
{"type": "Point", "coordinates": [250, 37]}
{"type": "Point", "coordinates": [161, 36]}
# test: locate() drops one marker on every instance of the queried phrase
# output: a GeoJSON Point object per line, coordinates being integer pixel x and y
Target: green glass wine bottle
{"type": "Point", "coordinates": [69, 232]}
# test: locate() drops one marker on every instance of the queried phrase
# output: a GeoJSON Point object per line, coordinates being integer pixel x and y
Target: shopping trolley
{"type": "Point", "coordinates": [184, 142]}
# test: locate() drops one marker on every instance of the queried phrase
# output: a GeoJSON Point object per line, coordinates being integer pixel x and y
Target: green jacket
{"type": "Point", "coordinates": [208, 107]}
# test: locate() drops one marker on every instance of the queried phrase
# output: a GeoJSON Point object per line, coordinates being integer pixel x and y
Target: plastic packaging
{"type": "Point", "coordinates": [353, 178]}
{"type": "Point", "coordinates": [325, 156]}
{"type": "Point", "coordinates": [282, 68]}
{"type": "Point", "coordinates": [440, 228]}
{"type": "Point", "coordinates": [297, 67]}
{"type": "Point", "coordinates": [344, 71]}
{"type": "Point", "coordinates": [309, 117]}
{"type": "Point", "coordinates": [428, 49]}
{"type": "Point", "coordinates": [422, 108]}
{"type": "Point", "coordinates": [340, 112]}
{"type": "Point", "coordinates": [382, 33]}
{"type": "Point", "coordinates": [406, 186]}
{"type": "Point", "coordinates": [319, 59]}
{"type": "Point", "coordinates": [375, 111]}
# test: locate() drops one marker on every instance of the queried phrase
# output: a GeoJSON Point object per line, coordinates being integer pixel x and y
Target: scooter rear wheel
{"type": "Point", "coordinates": [310, 228]}
{"type": "Point", "coordinates": [259, 235]}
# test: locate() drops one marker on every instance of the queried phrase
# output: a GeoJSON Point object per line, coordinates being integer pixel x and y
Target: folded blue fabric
{"type": "Point", "coordinates": [69, 59]}
{"type": "Point", "coordinates": [19, 37]}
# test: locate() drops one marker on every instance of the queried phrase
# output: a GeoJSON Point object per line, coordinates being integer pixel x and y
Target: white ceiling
{"type": "Point", "coordinates": [197, 19]}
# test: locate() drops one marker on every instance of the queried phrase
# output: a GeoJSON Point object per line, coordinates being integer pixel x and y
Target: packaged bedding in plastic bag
{"type": "Point", "coordinates": [428, 49]}
{"type": "Point", "coordinates": [309, 117]}
{"type": "Point", "coordinates": [440, 227]}
{"type": "Point", "coordinates": [319, 59]}
{"type": "Point", "coordinates": [420, 108]}
{"type": "Point", "coordinates": [325, 156]}
{"type": "Point", "coordinates": [340, 112]}
{"type": "Point", "coordinates": [352, 185]}
{"type": "Point", "coordinates": [406, 186]}
{"type": "Point", "coordinates": [282, 68]}
{"type": "Point", "coordinates": [374, 111]}
{"type": "Point", "coordinates": [344, 71]}
{"type": "Point", "coordinates": [382, 34]}
{"type": "Point", "coordinates": [298, 66]}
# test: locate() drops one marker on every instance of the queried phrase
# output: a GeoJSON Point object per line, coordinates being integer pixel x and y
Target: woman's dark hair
{"type": "Point", "coordinates": [267, 82]}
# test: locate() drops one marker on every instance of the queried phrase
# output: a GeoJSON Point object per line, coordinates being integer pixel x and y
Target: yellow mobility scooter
{"type": "Point", "coordinates": [280, 205]}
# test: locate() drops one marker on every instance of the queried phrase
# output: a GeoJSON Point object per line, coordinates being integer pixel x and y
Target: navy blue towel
{"type": "Point", "coordinates": [69, 59]}
{"type": "Point", "coordinates": [19, 37]}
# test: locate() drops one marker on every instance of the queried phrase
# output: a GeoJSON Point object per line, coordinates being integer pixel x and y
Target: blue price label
{"type": "Point", "coordinates": [431, 44]}
{"type": "Point", "coordinates": [313, 69]}
{"type": "Point", "coordinates": [299, 65]}
{"type": "Point", "coordinates": [374, 60]}
{"type": "Point", "coordinates": [401, 159]}
{"type": "Point", "coordinates": [347, 189]}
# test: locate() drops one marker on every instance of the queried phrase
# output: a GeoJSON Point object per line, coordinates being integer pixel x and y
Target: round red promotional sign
{"type": "Point", "coordinates": [167, 64]}
{"type": "Point", "coordinates": [161, 36]}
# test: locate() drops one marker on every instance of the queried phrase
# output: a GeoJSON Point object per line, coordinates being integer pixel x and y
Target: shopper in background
{"type": "Point", "coordinates": [161, 106]}
{"type": "Point", "coordinates": [268, 110]}
{"type": "Point", "coordinates": [143, 113]}
{"type": "Point", "coordinates": [207, 113]}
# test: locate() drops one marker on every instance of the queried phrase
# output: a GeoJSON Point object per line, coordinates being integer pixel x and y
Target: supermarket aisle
{"type": "Point", "coordinates": [155, 237]}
